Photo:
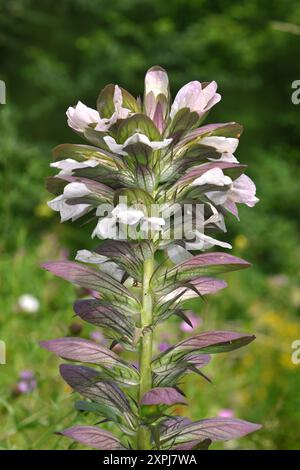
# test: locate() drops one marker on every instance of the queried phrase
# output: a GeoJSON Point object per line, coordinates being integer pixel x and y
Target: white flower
{"type": "Point", "coordinates": [214, 177]}
{"type": "Point", "coordinates": [196, 98]}
{"type": "Point", "coordinates": [74, 190]}
{"type": "Point", "coordinates": [127, 215]}
{"type": "Point", "coordinates": [242, 190]}
{"type": "Point", "coordinates": [69, 164]}
{"type": "Point", "coordinates": [106, 228]}
{"type": "Point", "coordinates": [135, 138]}
{"type": "Point", "coordinates": [226, 146]}
{"type": "Point", "coordinates": [204, 242]}
{"type": "Point", "coordinates": [28, 303]}
{"type": "Point", "coordinates": [104, 264]}
{"type": "Point", "coordinates": [68, 211]}
{"type": "Point", "coordinates": [156, 91]}
{"type": "Point", "coordinates": [81, 116]}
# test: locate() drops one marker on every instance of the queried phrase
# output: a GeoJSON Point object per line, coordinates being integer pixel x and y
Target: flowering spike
{"type": "Point", "coordinates": [155, 180]}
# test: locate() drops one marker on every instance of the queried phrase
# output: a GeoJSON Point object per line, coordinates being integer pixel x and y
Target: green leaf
{"type": "Point", "coordinates": [139, 123]}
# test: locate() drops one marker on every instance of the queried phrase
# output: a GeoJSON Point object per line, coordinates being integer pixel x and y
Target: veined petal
{"type": "Point", "coordinates": [157, 82]}
{"type": "Point", "coordinates": [197, 98]}
{"type": "Point", "coordinates": [81, 116]}
{"type": "Point", "coordinates": [243, 190]}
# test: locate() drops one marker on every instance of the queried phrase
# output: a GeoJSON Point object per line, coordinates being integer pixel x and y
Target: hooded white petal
{"type": "Point", "coordinates": [214, 177]}
{"type": "Point", "coordinates": [74, 190]}
{"type": "Point", "coordinates": [157, 82]}
{"type": "Point", "coordinates": [221, 144]}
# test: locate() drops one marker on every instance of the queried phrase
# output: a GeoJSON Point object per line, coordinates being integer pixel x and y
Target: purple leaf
{"type": "Point", "coordinates": [206, 264]}
{"type": "Point", "coordinates": [88, 278]}
{"type": "Point", "coordinates": [162, 396]}
{"type": "Point", "coordinates": [215, 341]}
{"type": "Point", "coordinates": [215, 429]}
{"type": "Point", "coordinates": [228, 129]}
{"type": "Point", "coordinates": [89, 383]}
{"type": "Point", "coordinates": [94, 437]}
{"type": "Point", "coordinates": [234, 170]}
{"type": "Point", "coordinates": [105, 315]}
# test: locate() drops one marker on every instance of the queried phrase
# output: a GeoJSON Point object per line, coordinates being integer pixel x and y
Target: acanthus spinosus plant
{"type": "Point", "coordinates": [158, 184]}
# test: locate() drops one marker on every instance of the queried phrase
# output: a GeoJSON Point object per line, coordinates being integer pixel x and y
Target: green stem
{"type": "Point", "coordinates": [144, 435]}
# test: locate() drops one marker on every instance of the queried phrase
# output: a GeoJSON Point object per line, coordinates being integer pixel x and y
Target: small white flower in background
{"type": "Point", "coordinates": [134, 139]}
{"type": "Point", "coordinates": [197, 98]}
{"type": "Point", "coordinates": [226, 146]}
{"type": "Point", "coordinates": [69, 164]}
{"type": "Point", "coordinates": [81, 116]}
{"type": "Point", "coordinates": [214, 177]}
{"type": "Point", "coordinates": [28, 303]}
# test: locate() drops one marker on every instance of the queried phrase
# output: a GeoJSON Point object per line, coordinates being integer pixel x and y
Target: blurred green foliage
{"type": "Point", "coordinates": [54, 54]}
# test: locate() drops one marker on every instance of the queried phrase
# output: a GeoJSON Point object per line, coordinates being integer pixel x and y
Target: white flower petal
{"type": "Point", "coordinates": [81, 116]}
{"type": "Point", "coordinates": [127, 215]}
{"type": "Point", "coordinates": [106, 228]}
{"type": "Point", "coordinates": [68, 211]}
{"type": "Point", "coordinates": [221, 144]}
{"type": "Point", "coordinates": [215, 177]}
{"type": "Point", "coordinates": [69, 164]}
{"type": "Point", "coordinates": [204, 242]}
{"type": "Point", "coordinates": [74, 190]}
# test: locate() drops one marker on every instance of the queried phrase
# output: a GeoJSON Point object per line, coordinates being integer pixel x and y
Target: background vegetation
{"type": "Point", "coordinates": [55, 53]}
